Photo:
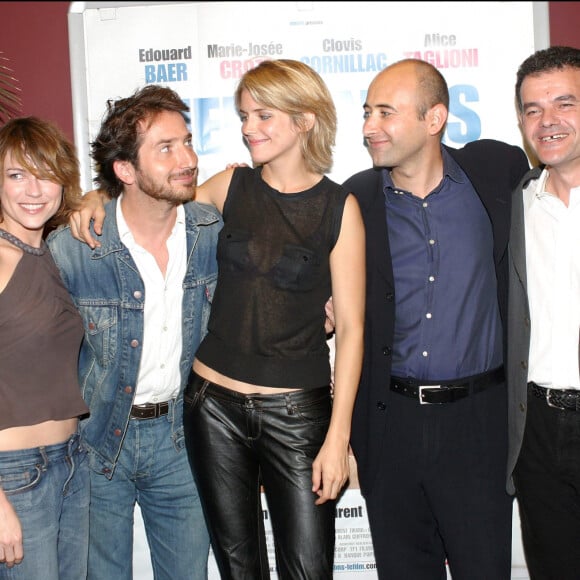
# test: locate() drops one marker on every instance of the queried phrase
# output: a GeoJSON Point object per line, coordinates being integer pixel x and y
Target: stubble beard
{"type": "Point", "coordinates": [165, 191]}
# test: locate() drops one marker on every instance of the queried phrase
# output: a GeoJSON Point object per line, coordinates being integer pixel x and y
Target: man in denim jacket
{"type": "Point", "coordinates": [144, 296]}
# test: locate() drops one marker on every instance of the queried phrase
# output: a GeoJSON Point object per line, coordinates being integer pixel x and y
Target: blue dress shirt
{"type": "Point", "coordinates": [447, 323]}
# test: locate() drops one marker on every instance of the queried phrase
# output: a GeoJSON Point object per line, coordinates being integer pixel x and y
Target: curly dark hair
{"type": "Point", "coordinates": [119, 138]}
{"type": "Point", "coordinates": [548, 59]}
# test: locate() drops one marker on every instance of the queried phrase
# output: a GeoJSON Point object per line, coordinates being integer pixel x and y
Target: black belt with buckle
{"type": "Point", "coordinates": [149, 410]}
{"type": "Point", "coordinates": [448, 392]}
{"type": "Point", "coordinates": [562, 399]}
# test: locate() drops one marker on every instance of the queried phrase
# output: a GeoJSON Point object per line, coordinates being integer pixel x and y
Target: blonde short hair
{"type": "Point", "coordinates": [294, 88]}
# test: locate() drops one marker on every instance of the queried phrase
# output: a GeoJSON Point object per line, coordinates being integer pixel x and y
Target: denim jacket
{"type": "Point", "coordinates": [107, 288]}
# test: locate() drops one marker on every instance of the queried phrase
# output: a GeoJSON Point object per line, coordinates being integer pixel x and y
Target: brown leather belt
{"type": "Point", "coordinates": [448, 391]}
{"type": "Point", "coordinates": [149, 410]}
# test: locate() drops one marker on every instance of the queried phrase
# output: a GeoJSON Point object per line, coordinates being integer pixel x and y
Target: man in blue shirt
{"type": "Point", "coordinates": [144, 295]}
{"type": "Point", "coordinates": [430, 422]}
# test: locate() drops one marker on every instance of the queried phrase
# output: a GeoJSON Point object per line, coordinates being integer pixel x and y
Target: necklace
{"type": "Point", "coordinates": [20, 244]}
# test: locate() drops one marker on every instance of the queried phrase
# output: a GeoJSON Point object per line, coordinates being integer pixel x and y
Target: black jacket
{"type": "Point", "coordinates": [494, 169]}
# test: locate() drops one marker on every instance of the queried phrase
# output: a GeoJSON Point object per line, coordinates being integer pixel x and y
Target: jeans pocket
{"type": "Point", "coordinates": [18, 480]}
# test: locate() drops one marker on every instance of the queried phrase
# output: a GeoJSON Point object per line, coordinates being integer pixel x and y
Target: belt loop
{"type": "Point", "coordinates": [289, 405]}
{"type": "Point", "coordinates": [44, 466]}
{"type": "Point", "coordinates": [72, 444]}
{"type": "Point", "coordinates": [203, 389]}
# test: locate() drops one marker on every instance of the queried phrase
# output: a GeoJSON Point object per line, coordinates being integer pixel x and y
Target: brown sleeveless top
{"type": "Point", "coordinates": [40, 337]}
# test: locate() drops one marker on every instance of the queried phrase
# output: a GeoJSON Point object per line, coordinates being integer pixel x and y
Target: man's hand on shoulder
{"type": "Point", "coordinates": [92, 209]}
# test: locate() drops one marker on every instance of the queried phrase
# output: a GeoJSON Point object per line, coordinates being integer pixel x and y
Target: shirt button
{"type": "Point", "coordinates": [432, 242]}
{"type": "Point", "coordinates": [117, 432]}
{"type": "Point", "coordinates": [431, 278]}
{"type": "Point", "coordinates": [428, 315]}
{"type": "Point", "coordinates": [425, 353]}
{"type": "Point", "coordinates": [134, 343]}
{"type": "Point", "coordinates": [425, 204]}
{"type": "Point", "coordinates": [128, 389]}
{"type": "Point", "coordinates": [137, 294]}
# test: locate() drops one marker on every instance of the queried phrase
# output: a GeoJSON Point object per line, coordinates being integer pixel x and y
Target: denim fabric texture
{"type": "Point", "coordinates": [49, 489]}
{"type": "Point", "coordinates": [106, 287]}
{"type": "Point", "coordinates": [153, 471]}
{"type": "Point", "coordinates": [137, 461]}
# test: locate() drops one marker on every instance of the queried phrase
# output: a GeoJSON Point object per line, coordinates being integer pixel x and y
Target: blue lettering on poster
{"type": "Point", "coordinates": [214, 117]}
{"type": "Point", "coordinates": [468, 128]}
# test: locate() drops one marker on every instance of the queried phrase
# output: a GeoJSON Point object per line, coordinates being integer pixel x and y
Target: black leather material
{"type": "Point", "coordinates": [235, 444]}
{"type": "Point", "coordinates": [568, 399]}
{"type": "Point", "coordinates": [447, 392]}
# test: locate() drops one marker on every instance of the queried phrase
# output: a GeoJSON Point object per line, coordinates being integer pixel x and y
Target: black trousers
{"type": "Point", "coordinates": [237, 442]}
{"type": "Point", "coordinates": [440, 491]}
{"type": "Point", "coordinates": [547, 481]}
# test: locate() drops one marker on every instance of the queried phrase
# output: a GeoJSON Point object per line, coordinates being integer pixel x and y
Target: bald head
{"type": "Point", "coordinates": [423, 81]}
{"type": "Point", "coordinates": [405, 114]}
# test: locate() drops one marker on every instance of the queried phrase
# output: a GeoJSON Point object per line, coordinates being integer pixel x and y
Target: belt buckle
{"type": "Point", "coordinates": [549, 402]}
{"type": "Point", "coordinates": [421, 389]}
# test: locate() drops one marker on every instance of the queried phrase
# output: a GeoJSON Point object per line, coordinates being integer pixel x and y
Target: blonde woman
{"type": "Point", "coordinates": [258, 406]}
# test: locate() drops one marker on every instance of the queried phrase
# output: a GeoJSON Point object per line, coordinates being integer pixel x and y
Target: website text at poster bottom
{"type": "Point", "coordinates": [354, 566]}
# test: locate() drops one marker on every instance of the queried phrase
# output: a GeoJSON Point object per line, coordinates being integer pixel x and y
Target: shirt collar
{"type": "Point", "coordinates": [125, 233]}
{"type": "Point", "coordinates": [536, 189]}
{"type": "Point", "coordinates": [451, 170]}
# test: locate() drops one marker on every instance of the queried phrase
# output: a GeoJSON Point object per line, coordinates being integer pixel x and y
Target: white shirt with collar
{"type": "Point", "coordinates": [159, 375]}
{"type": "Point", "coordinates": [552, 233]}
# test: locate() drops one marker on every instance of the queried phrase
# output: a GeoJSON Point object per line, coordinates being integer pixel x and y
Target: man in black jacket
{"type": "Point", "coordinates": [544, 316]}
{"type": "Point", "coordinates": [430, 422]}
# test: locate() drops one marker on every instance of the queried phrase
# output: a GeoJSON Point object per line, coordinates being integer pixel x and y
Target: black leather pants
{"type": "Point", "coordinates": [237, 442]}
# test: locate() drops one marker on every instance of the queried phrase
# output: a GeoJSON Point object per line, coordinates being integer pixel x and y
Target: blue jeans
{"type": "Point", "coordinates": [49, 489]}
{"type": "Point", "coordinates": [152, 471]}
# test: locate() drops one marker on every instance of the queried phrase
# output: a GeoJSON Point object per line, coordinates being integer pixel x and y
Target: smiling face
{"type": "Point", "coordinates": [27, 201]}
{"type": "Point", "coordinates": [270, 134]}
{"type": "Point", "coordinates": [550, 117]}
{"type": "Point", "coordinates": [167, 167]}
{"type": "Point", "coordinates": [403, 118]}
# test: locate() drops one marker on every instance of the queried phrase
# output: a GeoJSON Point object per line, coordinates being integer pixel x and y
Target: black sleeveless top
{"type": "Point", "coordinates": [267, 318]}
